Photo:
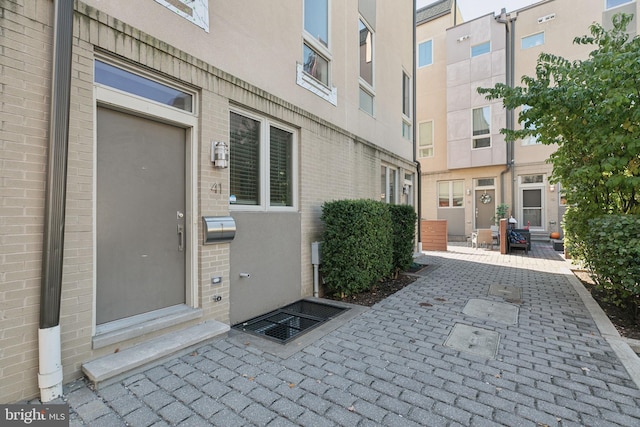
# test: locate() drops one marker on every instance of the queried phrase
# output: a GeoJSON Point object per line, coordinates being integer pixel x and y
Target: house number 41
{"type": "Point", "coordinates": [216, 187]}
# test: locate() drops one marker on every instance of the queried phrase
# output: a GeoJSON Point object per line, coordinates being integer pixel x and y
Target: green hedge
{"type": "Point", "coordinates": [404, 229]}
{"type": "Point", "coordinates": [614, 254]}
{"type": "Point", "coordinates": [364, 242]}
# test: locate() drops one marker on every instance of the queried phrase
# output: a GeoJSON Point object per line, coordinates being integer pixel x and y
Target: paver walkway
{"type": "Point", "coordinates": [389, 366]}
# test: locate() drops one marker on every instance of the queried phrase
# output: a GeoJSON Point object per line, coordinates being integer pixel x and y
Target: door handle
{"type": "Point", "coordinates": [180, 237]}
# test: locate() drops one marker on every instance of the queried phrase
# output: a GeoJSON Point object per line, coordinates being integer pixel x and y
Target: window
{"type": "Point", "coordinates": [388, 178]}
{"type": "Point", "coordinates": [480, 49]}
{"type": "Point", "coordinates": [262, 163]}
{"type": "Point", "coordinates": [407, 190]}
{"type": "Point", "coordinates": [129, 82]}
{"type": "Point", "coordinates": [532, 40]}
{"type": "Point", "coordinates": [315, 65]}
{"type": "Point", "coordinates": [531, 139]}
{"type": "Point", "coordinates": [316, 20]}
{"type": "Point", "coordinates": [481, 127]}
{"type": "Point", "coordinates": [366, 66]}
{"type": "Point", "coordinates": [532, 179]}
{"type": "Point", "coordinates": [610, 4]}
{"type": "Point", "coordinates": [425, 53]}
{"type": "Point", "coordinates": [425, 139]}
{"type": "Point", "coordinates": [406, 106]}
{"type": "Point", "coordinates": [450, 194]}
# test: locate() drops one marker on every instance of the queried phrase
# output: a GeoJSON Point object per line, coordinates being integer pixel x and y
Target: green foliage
{"type": "Point", "coordinates": [357, 245]}
{"type": "Point", "coordinates": [589, 110]}
{"type": "Point", "coordinates": [501, 212]}
{"type": "Point", "coordinates": [613, 253]}
{"type": "Point", "coordinates": [404, 220]}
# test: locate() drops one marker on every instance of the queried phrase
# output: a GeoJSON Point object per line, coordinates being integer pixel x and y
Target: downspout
{"type": "Point", "coordinates": [511, 66]}
{"type": "Point", "coordinates": [415, 132]}
{"type": "Point", "coordinates": [509, 73]}
{"type": "Point", "coordinates": [50, 358]}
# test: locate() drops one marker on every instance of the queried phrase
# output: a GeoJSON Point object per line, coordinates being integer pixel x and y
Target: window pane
{"type": "Point", "coordinates": [406, 95]}
{"type": "Point", "coordinates": [480, 49]}
{"type": "Point", "coordinates": [366, 53]}
{"type": "Point", "coordinates": [406, 130]}
{"type": "Point", "coordinates": [425, 53]}
{"type": "Point", "coordinates": [316, 20]}
{"type": "Point", "coordinates": [383, 183]}
{"type": "Point", "coordinates": [533, 40]}
{"type": "Point", "coordinates": [280, 166]}
{"type": "Point", "coordinates": [118, 78]}
{"type": "Point", "coordinates": [482, 142]}
{"type": "Point", "coordinates": [532, 198]}
{"type": "Point", "coordinates": [458, 190]}
{"type": "Point", "coordinates": [484, 182]}
{"type": "Point", "coordinates": [443, 194]}
{"type": "Point", "coordinates": [425, 139]}
{"type": "Point", "coordinates": [481, 121]}
{"type": "Point", "coordinates": [392, 185]}
{"type": "Point", "coordinates": [244, 163]}
{"type": "Point", "coordinates": [532, 179]}
{"type": "Point", "coordinates": [366, 101]}
{"type": "Point", "coordinates": [614, 3]}
{"type": "Point", "coordinates": [315, 65]}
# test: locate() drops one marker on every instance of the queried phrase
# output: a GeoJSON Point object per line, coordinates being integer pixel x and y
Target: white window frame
{"type": "Point", "coordinates": [426, 147]}
{"type": "Point", "coordinates": [265, 180]}
{"type": "Point", "coordinates": [325, 91]}
{"type": "Point", "coordinates": [408, 99]}
{"type": "Point", "coordinates": [618, 4]}
{"type": "Point", "coordinates": [365, 87]}
{"type": "Point", "coordinates": [483, 136]}
{"type": "Point", "coordinates": [531, 139]}
{"type": "Point", "coordinates": [450, 194]}
{"type": "Point", "coordinates": [488, 42]}
{"type": "Point", "coordinates": [390, 172]}
{"type": "Point", "coordinates": [542, 186]}
{"type": "Point", "coordinates": [531, 37]}
{"type": "Point", "coordinates": [430, 41]}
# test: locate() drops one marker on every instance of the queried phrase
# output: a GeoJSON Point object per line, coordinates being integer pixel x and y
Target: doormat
{"type": "Point", "coordinates": [291, 321]}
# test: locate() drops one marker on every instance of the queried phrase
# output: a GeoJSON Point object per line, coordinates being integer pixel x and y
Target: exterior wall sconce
{"type": "Point", "coordinates": [219, 154]}
{"type": "Point", "coordinates": [552, 188]}
{"type": "Point", "coordinates": [468, 191]}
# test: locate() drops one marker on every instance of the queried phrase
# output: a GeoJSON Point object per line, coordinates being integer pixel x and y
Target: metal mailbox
{"type": "Point", "coordinates": [218, 229]}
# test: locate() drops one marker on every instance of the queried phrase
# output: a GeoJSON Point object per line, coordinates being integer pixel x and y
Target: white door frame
{"type": "Point", "coordinates": [108, 97]}
{"type": "Point", "coordinates": [543, 196]}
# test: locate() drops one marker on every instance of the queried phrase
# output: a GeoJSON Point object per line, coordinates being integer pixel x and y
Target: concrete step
{"type": "Point", "coordinates": [113, 367]}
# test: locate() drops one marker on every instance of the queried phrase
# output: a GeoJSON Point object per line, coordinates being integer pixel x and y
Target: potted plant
{"type": "Point", "coordinates": [501, 212]}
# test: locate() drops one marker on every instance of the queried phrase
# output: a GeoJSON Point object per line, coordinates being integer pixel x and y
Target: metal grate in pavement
{"type": "Point", "coordinates": [284, 324]}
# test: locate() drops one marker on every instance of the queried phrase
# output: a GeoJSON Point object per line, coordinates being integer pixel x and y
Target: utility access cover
{"type": "Point", "coordinates": [492, 310]}
{"type": "Point", "coordinates": [511, 293]}
{"type": "Point", "coordinates": [481, 342]}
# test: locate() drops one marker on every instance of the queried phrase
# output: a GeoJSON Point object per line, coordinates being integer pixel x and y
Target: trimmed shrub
{"type": "Point", "coordinates": [613, 254]}
{"type": "Point", "coordinates": [404, 220]}
{"type": "Point", "coordinates": [357, 245]}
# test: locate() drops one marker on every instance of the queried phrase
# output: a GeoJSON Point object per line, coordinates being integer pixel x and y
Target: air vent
{"type": "Point", "coordinates": [546, 18]}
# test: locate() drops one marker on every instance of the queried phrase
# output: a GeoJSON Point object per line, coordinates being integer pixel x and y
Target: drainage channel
{"type": "Point", "coordinates": [286, 323]}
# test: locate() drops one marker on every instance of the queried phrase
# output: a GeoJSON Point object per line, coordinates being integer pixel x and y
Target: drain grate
{"type": "Point", "coordinates": [291, 321]}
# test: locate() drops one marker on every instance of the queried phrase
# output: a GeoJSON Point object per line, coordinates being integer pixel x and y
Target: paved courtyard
{"type": "Point", "coordinates": [479, 339]}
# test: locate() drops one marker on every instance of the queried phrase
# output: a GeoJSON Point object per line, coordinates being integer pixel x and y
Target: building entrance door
{"type": "Point", "coordinates": [140, 227]}
{"type": "Point", "coordinates": [485, 201]}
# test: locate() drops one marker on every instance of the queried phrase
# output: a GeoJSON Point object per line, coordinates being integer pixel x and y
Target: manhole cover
{"type": "Point", "coordinates": [492, 310]}
{"type": "Point", "coordinates": [507, 292]}
{"type": "Point", "coordinates": [481, 342]}
{"type": "Point", "coordinates": [291, 321]}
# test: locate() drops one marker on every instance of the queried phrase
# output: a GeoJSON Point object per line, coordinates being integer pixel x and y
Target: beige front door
{"type": "Point", "coordinates": [485, 202]}
{"type": "Point", "coordinates": [141, 236]}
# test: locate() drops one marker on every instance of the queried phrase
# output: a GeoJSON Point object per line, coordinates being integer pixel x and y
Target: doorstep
{"type": "Point", "coordinates": [113, 367]}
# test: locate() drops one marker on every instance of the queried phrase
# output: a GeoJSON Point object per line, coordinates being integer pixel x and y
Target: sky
{"type": "Point", "coordinates": [471, 9]}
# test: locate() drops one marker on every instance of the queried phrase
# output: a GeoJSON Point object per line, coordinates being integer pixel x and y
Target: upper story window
{"type": "Point", "coordinates": [262, 166]}
{"type": "Point", "coordinates": [610, 4]}
{"type": "Point", "coordinates": [135, 84]}
{"type": "Point", "coordinates": [366, 66]}
{"type": "Point", "coordinates": [425, 53]}
{"type": "Point", "coordinates": [314, 74]}
{"type": "Point", "coordinates": [532, 40]}
{"type": "Point", "coordinates": [480, 49]}
{"type": "Point", "coordinates": [481, 127]}
{"type": "Point", "coordinates": [425, 139]}
{"type": "Point", "coordinates": [531, 139]}
{"type": "Point", "coordinates": [406, 106]}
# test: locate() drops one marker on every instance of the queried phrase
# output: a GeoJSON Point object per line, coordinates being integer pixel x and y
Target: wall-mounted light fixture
{"type": "Point", "coordinates": [219, 154]}
{"type": "Point", "coordinates": [463, 38]}
{"type": "Point", "coordinates": [552, 188]}
{"type": "Point", "coordinates": [468, 191]}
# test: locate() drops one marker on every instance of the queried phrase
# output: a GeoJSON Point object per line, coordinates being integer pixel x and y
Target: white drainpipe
{"type": "Point", "coordinates": [50, 373]}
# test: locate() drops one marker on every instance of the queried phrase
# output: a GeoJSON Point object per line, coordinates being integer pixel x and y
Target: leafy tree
{"type": "Point", "coordinates": [590, 110]}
